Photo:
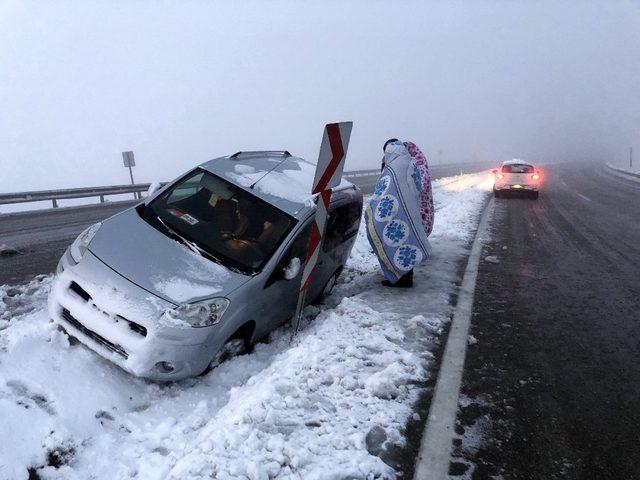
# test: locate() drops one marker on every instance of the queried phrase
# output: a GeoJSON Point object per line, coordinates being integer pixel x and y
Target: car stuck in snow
{"type": "Point", "coordinates": [516, 177]}
{"type": "Point", "coordinates": [208, 264]}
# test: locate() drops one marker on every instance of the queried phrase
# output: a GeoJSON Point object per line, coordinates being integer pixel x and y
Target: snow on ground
{"type": "Point", "coordinates": [326, 406]}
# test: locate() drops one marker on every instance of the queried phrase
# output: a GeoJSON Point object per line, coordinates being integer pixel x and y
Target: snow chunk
{"type": "Point", "coordinates": [199, 278]}
{"type": "Point", "coordinates": [491, 259]}
{"type": "Point", "coordinates": [292, 269]}
{"type": "Point", "coordinates": [244, 169]}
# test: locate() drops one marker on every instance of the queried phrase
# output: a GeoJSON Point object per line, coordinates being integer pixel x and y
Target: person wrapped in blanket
{"type": "Point", "coordinates": [399, 216]}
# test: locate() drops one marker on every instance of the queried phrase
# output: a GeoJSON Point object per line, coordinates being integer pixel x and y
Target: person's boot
{"type": "Point", "coordinates": [405, 281]}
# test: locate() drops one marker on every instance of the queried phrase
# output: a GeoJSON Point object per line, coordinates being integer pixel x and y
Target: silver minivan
{"type": "Point", "coordinates": [209, 263]}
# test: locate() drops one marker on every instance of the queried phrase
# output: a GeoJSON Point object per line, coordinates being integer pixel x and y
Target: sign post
{"type": "Point", "coordinates": [129, 161]}
{"type": "Point", "coordinates": [333, 151]}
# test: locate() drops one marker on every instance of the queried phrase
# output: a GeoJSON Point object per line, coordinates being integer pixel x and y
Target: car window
{"type": "Point", "coordinates": [342, 224]}
{"type": "Point", "coordinates": [186, 189]}
{"type": "Point", "coordinates": [517, 168]}
{"type": "Point", "coordinates": [297, 249]}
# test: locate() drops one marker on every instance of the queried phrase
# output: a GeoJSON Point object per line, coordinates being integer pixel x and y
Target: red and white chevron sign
{"type": "Point", "coordinates": [333, 152]}
{"type": "Point", "coordinates": [317, 234]}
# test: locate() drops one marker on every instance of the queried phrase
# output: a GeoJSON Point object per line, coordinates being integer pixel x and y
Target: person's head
{"type": "Point", "coordinates": [391, 140]}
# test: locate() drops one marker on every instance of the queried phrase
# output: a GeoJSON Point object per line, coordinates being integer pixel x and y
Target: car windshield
{"type": "Point", "coordinates": [517, 168]}
{"type": "Point", "coordinates": [220, 220]}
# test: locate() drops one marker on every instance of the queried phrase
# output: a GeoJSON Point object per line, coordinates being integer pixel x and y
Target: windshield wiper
{"type": "Point", "coordinates": [194, 247]}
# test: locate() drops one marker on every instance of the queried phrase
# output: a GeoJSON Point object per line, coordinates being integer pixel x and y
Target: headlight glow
{"type": "Point", "coordinates": [201, 314]}
{"type": "Point", "coordinates": [80, 244]}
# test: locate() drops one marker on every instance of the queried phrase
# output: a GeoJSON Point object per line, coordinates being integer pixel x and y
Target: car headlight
{"type": "Point", "coordinates": [80, 244]}
{"type": "Point", "coordinates": [201, 314]}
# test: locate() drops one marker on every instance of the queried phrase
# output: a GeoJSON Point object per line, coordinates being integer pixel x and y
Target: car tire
{"type": "Point", "coordinates": [328, 288]}
{"type": "Point", "coordinates": [496, 193]}
{"type": "Point", "coordinates": [232, 348]}
{"type": "Point", "coordinates": [534, 195]}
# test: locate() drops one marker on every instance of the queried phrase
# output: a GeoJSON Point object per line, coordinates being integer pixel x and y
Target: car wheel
{"type": "Point", "coordinates": [232, 348]}
{"type": "Point", "coordinates": [534, 195]}
{"type": "Point", "coordinates": [327, 289]}
{"type": "Point", "coordinates": [496, 193]}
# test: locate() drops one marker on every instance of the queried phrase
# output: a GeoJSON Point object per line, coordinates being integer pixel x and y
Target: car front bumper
{"type": "Point", "coordinates": [121, 322]}
{"type": "Point", "coordinates": [515, 188]}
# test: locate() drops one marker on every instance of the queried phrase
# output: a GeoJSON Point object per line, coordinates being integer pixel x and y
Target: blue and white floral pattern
{"type": "Point", "coordinates": [381, 186]}
{"type": "Point", "coordinates": [395, 233]}
{"type": "Point", "coordinates": [386, 208]}
{"type": "Point", "coordinates": [417, 180]}
{"type": "Point", "coordinates": [406, 257]}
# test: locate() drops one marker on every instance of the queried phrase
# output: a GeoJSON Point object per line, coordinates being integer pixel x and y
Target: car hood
{"type": "Point", "coordinates": [159, 264]}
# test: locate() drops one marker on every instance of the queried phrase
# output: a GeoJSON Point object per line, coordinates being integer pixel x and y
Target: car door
{"type": "Point", "coordinates": [280, 292]}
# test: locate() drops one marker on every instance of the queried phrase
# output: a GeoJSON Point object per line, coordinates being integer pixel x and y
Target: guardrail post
{"type": "Point", "coordinates": [101, 198]}
{"type": "Point", "coordinates": [55, 203]}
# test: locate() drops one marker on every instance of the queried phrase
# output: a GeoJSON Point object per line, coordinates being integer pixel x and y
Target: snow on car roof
{"type": "Point", "coordinates": [282, 180]}
{"type": "Point", "coordinates": [516, 161]}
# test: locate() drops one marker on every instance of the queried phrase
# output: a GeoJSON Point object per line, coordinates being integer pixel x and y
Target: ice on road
{"type": "Point", "coordinates": [323, 407]}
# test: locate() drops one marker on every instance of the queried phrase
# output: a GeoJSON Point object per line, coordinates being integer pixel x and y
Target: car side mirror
{"type": "Point", "coordinates": [292, 269]}
{"type": "Point", "coordinates": [153, 188]}
{"type": "Point", "coordinates": [151, 191]}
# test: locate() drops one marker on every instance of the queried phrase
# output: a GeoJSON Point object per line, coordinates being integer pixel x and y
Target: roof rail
{"type": "Point", "coordinates": [262, 153]}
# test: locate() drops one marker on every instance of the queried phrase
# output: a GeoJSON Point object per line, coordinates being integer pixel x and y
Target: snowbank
{"type": "Point", "coordinates": [327, 406]}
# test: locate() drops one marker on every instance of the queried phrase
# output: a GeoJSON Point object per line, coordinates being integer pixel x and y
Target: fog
{"type": "Point", "coordinates": [183, 82]}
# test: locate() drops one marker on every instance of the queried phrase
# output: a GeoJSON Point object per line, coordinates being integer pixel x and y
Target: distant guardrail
{"type": "Point", "coordinates": [622, 170]}
{"type": "Point", "coordinates": [102, 192]}
{"type": "Point", "coordinates": [138, 188]}
{"type": "Point", "coordinates": [67, 193]}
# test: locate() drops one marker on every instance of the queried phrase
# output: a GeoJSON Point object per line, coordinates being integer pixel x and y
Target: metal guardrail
{"type": "Point", "coordinates": [623, 170]}
{"type": "Point", "coordinates": [361, 173]}
{"type": "Point", "coordinates": [55, 195]}
{"type": "Point", "coordinates": [137, 190]}
{"type": "Point", "coordinates": [87, 192]}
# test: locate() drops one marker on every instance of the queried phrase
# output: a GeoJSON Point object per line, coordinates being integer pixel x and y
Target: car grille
{"type": "Point", "coordinates": [82, 293]}
{"type": "Point", "coordinates": [66, 314]}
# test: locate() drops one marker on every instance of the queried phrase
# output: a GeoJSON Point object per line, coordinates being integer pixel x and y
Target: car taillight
{"type": "Point", "coordinates": [536, 176]}
{"type": "Point", "coordinates": [500, 176]}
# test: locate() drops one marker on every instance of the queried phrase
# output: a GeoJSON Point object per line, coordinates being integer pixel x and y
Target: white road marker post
{"type": "Point", "coordinates": [333, 151]}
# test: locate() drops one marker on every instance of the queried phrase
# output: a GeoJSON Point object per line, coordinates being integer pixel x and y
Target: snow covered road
{"type": "Point", "coordinates": [326, 407]}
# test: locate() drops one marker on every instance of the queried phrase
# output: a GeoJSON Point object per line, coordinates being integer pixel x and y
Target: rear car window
{"type": "Point", "coordinates": [517, 168]}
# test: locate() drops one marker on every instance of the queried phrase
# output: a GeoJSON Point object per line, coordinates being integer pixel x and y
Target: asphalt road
{"type": "Point", "coordinates": [552, 379]}
{"type": "Point", "coordinates": [42, 236]}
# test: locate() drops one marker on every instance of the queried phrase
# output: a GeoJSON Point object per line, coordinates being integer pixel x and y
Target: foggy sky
{"type": "Point", "coordinates": [183, 82]}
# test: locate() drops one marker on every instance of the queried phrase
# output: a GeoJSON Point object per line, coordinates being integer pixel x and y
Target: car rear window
{"type": "Point", "coordinates": [517, 168]}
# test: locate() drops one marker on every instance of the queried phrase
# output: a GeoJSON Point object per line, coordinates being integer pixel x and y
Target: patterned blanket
{"type": "Point", "coordinates": [400, 215]}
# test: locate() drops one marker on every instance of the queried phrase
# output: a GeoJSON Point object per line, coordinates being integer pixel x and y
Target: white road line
{"type": "Point", "coordinates": [435, 450]}
{"type": "Point", "coordinates": [584, 197]}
